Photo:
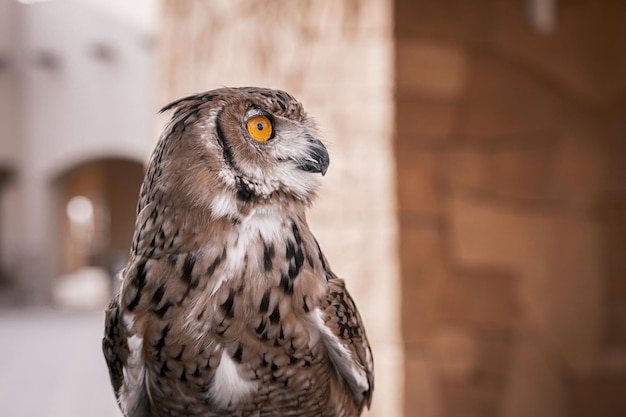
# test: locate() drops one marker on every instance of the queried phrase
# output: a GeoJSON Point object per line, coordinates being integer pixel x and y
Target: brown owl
{"type": "Point", "coordinates": [228, 306]}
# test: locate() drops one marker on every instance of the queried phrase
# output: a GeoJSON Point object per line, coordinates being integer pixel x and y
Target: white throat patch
{"type": "Point", "coordinates": [263, 223]}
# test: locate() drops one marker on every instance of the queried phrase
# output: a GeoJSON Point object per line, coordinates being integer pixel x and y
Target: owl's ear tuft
{"type": "Point", "coordinates": [203, 97]}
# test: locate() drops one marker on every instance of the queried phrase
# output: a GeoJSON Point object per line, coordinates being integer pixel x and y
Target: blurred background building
{"type": "Point", "coordinates": [475, 203]}
{"type": "Point", "coordinates": [77, 123]}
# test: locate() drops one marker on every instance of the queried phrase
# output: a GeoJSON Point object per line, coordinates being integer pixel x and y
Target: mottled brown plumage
{"type": "Point", "coordinates": [228, 306]}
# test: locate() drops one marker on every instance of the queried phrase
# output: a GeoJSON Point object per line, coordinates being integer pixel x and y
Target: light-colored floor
{"type": "Point", "coordinates": [51, 365]}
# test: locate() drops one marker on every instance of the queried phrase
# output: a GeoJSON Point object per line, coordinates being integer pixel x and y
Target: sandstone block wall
{"type": "Point", "coordinates": [511, 189]}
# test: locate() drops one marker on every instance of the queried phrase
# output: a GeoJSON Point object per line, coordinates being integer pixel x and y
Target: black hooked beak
{"type": "Point", "coordinates": [316, 159]}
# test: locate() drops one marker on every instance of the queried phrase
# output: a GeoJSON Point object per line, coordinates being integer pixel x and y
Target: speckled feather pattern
{"type": "Point", "coordinates": [228, 306]}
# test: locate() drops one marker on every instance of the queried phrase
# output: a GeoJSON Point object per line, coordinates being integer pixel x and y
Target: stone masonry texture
{"type": "Point", "coordinates": [511, 190]}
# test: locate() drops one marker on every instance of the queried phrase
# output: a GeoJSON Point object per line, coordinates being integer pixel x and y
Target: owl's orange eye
{"type": "Point", "coordinates": [259, 128]}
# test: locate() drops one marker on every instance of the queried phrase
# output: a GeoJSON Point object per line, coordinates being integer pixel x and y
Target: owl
{"type": "Point", "coordinates": [227, 305]}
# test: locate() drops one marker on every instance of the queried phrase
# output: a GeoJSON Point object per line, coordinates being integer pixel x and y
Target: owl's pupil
{"type": "Point", "coordinates": [259, 126]}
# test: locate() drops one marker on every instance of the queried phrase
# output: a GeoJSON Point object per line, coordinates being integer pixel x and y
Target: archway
{"type": "Point", "coordinates": [96, 208]}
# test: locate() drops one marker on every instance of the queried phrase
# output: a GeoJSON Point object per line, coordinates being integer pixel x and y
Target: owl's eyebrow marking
{"type": "Point", "coordinates": [255, 110]}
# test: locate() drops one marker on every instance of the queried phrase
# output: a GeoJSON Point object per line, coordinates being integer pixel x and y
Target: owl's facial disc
{"type": "Point", "coordinates": [271, 155]}
{"type": "Point", "coordinates": [294, 144]}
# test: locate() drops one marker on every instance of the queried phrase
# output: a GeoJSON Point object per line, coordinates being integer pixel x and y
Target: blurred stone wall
{"type": "Point", "coordinates": [510, 149]}
{"type": "Point", "coordinates": [336, 57]}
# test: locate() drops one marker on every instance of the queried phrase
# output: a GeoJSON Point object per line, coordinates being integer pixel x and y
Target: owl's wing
{"type": "Point", "coordinates": [347, 342]}
{"type": "Point", "coordinates": [115, 345]}
{"type": "Point", "coordinates": [125, 367]}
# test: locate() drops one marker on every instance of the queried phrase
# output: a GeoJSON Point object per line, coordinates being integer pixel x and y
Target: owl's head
{"type": "Point", "coordinates": [230, 148]}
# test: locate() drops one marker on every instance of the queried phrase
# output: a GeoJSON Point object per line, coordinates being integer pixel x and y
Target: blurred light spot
{"type": "Point", "coordinates": [542, 15]}
{"type": "Point", "coordinates": [87, 288]}
{"type": "Point", "coordinates": [80, 210]}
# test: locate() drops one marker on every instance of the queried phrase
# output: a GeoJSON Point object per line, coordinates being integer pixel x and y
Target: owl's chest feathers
{"type": "Point", "coordinates": [263, 249]}
{"type": "Point", "coordinates": [242, 270]}
{"type": "Point", "coordinates": [216, 315]}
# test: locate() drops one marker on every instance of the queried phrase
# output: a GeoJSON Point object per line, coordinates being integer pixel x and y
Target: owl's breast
{"type": "Point", "coordinates": [239, 355]}
{"type": "Point", "coordinates": [231, 326]}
